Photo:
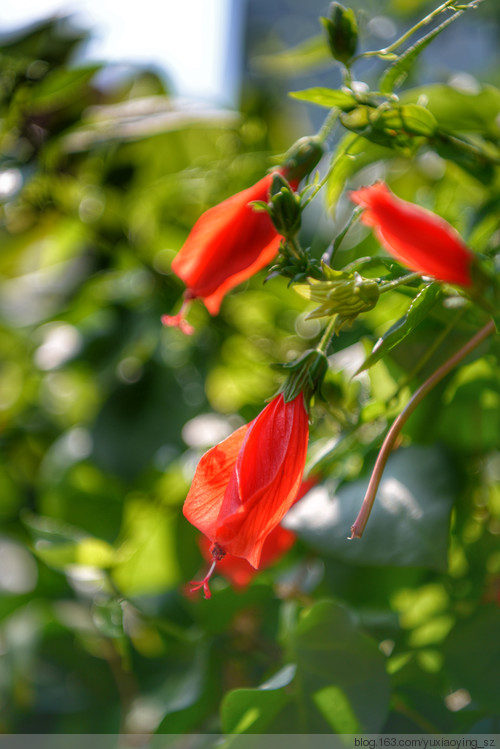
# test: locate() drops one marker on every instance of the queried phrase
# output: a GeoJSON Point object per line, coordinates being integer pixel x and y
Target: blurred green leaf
{"type": "Point", "coordinates": [409, 522]}
{"type": "Point", "coordinates": [326, 97]}
{"type": "Point", "coordinates": [305, 57]}
{"type": "Point", "coordinates": [336, 682]}
{"type": "Point", "coordinates": [472, 656]}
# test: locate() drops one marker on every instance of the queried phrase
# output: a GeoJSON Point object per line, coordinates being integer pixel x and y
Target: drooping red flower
{"type": "Point", "coordinates": [227, 245]}
{"type": "Point", "coordinates": [237, 570]}
{"type": "Point", "coordinates": [418, 238]}
{"type": "Point", "coordinates": [244, 486]}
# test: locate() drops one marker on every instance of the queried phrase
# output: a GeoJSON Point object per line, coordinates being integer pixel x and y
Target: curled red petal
{"type": "Point", "coordinates": [205, 497]}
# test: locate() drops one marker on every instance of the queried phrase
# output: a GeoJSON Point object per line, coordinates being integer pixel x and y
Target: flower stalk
{"type": "Point", "coordinates": [359, 525]}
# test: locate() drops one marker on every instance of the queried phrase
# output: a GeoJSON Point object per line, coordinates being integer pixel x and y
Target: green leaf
{"type": "Point", "coordinates": [148, 548]}
{"type": "Point", "coordinates": [253, 710]}
{"type": "Point", "coordinates": [336, 681]}
{"type": "Point", "coordinates": [326, 97]}
{"type": "Point", "coordinates": [408, 525]}
{"type": "Point", "coordinates": [340, 671]}
{"type": "Point", "coordinates": [396, 74]}
{"type": "Point", "coordinates": [417, 311]}
{"type": "Point", "coordinates": [305, 57]}
{"type": "Point", "coordinates": [61, 87]}
{"type": "Point", "coordinates": [472, 656]}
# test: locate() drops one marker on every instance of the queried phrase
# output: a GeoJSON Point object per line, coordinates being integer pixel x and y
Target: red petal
{"type": "Point", "coordinates": [203, 502]}
{"type": "Point", "coordinates": [266, 479]}
{"type": "Point", "coordinates": [225, 241]}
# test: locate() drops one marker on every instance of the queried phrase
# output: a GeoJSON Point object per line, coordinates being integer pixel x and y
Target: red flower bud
{"type": "Point", "coordinates": [243, 486]}
{"type": "Point", "coordinates": [227, 245]}
{"type": "Point", "coordinates": [418, 238]}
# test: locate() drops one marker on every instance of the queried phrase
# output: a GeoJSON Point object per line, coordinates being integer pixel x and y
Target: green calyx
{"type": "Point", "coordinates": [342, 32]}
{"type": "Point", "coordinates": [305, 375]}
{"type": "Point", "coordinates": [344, 294]}
{"type": "Point", "coordinates": [302, 157]}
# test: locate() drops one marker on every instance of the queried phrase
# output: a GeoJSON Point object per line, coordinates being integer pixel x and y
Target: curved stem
{"type": "Point", "coordinates": [388, 444]}
{"type": "Point", "coordinates": [399, 282]}
{"type": "Point", "coordinates": [402, 39]}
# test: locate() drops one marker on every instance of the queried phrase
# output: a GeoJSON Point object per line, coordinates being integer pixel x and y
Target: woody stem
{"type": "Point", "coordinates": [388, 444]}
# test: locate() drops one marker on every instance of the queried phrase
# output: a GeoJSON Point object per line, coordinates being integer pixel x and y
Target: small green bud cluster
{"type": "Point", "coordinates": [284, 207]}
{"type": "Point", "coordinates": [343, 294]}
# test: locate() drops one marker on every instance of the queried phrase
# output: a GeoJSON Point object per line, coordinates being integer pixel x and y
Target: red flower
{"type": "Point", "coordinates": [227, 245]}
{"type": "Point", "coordinates": [237, 570]}
{"type": "Point", "coordinates": [418, 238]}
{"type": "Point", "coordinates": [243, 486]}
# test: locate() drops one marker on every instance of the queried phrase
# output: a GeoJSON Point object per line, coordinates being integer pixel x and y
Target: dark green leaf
{"type": "Point", "coordinates": [417, 311]}
{"type": "Point", "coordinates": [472, 656]}
{"type": "Point", "coordinates": [336, 681]}
{"type": "Point", "coordinates": [409, 522]}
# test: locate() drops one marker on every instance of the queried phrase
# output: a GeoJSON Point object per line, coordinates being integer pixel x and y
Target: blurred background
{"type": "Point", "coordinates": [119, 126]}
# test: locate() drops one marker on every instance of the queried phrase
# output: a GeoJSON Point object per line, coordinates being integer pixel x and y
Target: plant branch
{"type": "Point", "coordinates": [388, 444]}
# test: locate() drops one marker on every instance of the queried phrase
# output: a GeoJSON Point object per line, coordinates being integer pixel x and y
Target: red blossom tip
{"type": "Point", "coordinates": [177, 321]}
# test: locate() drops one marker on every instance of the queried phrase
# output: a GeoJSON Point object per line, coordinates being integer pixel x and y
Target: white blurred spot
{"type": "Point", "coordinates": [307, 328]}
{"type": "Point", "coordinates": [10, 182]}
{"type": "Point", "coordinates": [457, 700]}
{"type": "Point", "coordinates": [395, 497]}
{"type": "Point", "coordinates": [18, 571]}
{"type": "Point", "coordinates": [130, 369]}
{"type": "Point", "coordinates": [349, 359]}
{"type": "Point", "coordinates": [315, 510]}
{"type": "Point", "coordinates": [90, 209]}
{"type": "Point", "coordinates": [386, 647]}
{"type": "Point", "coordinates": [382, 27]}
{"type": "Point", "coordinates": [465, 82]}
{"type": "Point", "coordinates": [206, 430]}
{"type": "Point", "coordinates": [61, 342]}
{"type": "Point", "coordinates": [432, 165]}
{"type": "Point", "coordinates": [85, 579]}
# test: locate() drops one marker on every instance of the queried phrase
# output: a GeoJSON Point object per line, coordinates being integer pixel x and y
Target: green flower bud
{"type": "Point", "coordinates": [284, 207]}
{"type": "Point", "coordinates": [302, 157]}
{"type": "Point", "coordinates": [346, 296]}
{"type": "Point", "coordinates": [342, 32]}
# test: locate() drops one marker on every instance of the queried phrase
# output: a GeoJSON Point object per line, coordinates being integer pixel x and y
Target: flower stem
{"type": "Point", "coordinates": [398, 282]}
{"type": "Point", "coordinates": [328, 124]}
{"type": "Point", "coordinates": [327, 336]}
{"type": "Point", "coordinates": [393, 433]}
{"type": "Point", "coordinates": [402, 39]}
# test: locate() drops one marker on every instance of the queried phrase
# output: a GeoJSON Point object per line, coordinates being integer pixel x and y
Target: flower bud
{"type": "Point", "coordinates": [302, 157]}
{"type": "Point", "coordinates": [342, 32]}
{"type": "Point", "coordinates": [284, 207]}
{"type": "Point", "coordinates": [343, 295]}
